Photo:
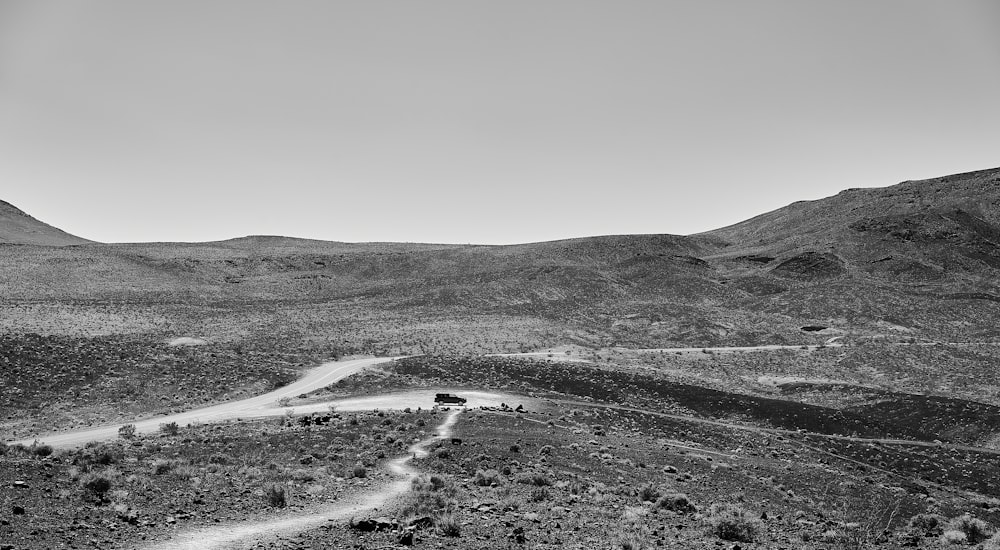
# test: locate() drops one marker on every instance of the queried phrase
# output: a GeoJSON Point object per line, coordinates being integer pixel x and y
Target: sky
{"type": "Point", "coordinates": [470, 121]}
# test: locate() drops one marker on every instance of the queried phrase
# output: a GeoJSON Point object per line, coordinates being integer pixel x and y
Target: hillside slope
{"type": "Point", "coordinates": [16, 227]}
{"type": "Point", "coordinates": [915, 260]}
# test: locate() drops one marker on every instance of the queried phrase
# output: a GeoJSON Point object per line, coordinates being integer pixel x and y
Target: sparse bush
{"type": "Point", "coordinates": [487, 478]}
{"type": "Point", "coordinates": [649, 493]}
{"type": "Point", "coordinates": [448, 525]}
{"type": "Point", "coordinates": [927, 524]}
{"type": "Point", "coordinates": [40, 449]}
{"type": "Point", "coordinates": [429, 495]}
{"type": "Point", "coordinates": [676, 502]}
{"type": "Point", "coordinates": [974, 529]}
{"type": "Point", "coordinates": [275, 495]}
{"type": "Point", "coordinates": [303, 475]}
{"type": "Point", "coordinates": [833, 536]}
{"type": "Point", "coordinates": [506, 502]}
{"type": "Point", "coordinates": [127, 431]}
{"type": "Point", "coordinates": [102, 454]}
{"type": "Point", "coordinates": [97, 484]}
{"type": "Point", "coordinates": [538, 480]}
{"type": "Point", "coordinates": [219, 458]}
{"type": "Point", "coordinates": [186, 471]}
{"type": "Point", "coordinates": [541, 494]}
{"type": "Point", "coordinates": [162, 466]}
{"type": "Point", "coordinates": [731, 522]}
{"type": "Point", "coordinates": [632, 541]}
{"type": "Point", "coordinates": [170, 428]}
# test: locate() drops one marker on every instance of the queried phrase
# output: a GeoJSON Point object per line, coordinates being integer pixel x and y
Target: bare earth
{"type": "Point", "coordinates": [239, 535]}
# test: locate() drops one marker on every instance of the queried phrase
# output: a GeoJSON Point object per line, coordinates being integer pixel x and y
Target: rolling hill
{"type": "Point", "coordinates": [914, 260]}
{"type": "Point", "coordinates": [16, 227]}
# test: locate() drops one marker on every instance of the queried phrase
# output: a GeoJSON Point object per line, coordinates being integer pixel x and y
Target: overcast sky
{"type": "Point", "coordinates": [473, 121]}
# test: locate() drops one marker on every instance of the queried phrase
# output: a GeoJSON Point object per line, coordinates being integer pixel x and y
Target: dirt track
{"type": "Point", "coordinates": [267, 405]}
{"type": "Point", "coordinates": [241, 534]}
{"type": "Point", "coordinates": [314, 379]}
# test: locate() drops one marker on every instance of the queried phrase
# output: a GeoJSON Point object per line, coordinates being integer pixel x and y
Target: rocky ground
{"type": "Point", "coordinates": [600, 478]}
{"type": "Point", "coordinates": [611, 457]}
{"type": "Point", "coordinates": [143, 488]}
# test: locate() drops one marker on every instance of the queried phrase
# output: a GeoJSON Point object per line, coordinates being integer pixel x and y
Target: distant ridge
{"type": "Point", "coordinates": [17, 227]}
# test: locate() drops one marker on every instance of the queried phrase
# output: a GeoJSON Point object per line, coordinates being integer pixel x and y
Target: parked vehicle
{"type": "Point", "coordinates": [449, 399]}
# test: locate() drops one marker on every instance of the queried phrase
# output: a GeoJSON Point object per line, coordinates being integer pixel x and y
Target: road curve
{"type": "Point", "coordinates": [314, 379]}
{"type": "Point", "coordinates": [239, 534]}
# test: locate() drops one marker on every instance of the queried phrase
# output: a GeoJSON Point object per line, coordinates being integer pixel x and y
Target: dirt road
{"type": "Point", "coordinates": [267, 405]}
{"type": "Point", "coordinates": [245, 533]}
{"type": "Point", "coordinates": [316, 378]}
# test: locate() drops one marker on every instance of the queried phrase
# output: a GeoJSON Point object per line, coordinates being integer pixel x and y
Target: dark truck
{"type": "Point", "coordinates": [449, 398]}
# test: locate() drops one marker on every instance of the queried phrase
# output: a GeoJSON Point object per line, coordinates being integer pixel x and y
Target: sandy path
{"type": "Point", "coordinates": [242, 534]}
{"type": "Point", "coordinates": [314, 379]}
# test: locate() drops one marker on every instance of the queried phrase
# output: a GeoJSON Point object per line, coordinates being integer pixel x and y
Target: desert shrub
{"type": "Point", "coordinates": [487, 478]}
{"type": "Point", "coordinates": [447, 524]}
{"type": "Point", "coordinates": [275, 495]}
{"type": "Point", "coordinates": [506, 501]}
{"type": "Point", "coordinates": [219, 458]}
{"type": "Point", "coordinates": [731, 522]}
{"type": "Point", "coordinates": [832, 536]}
{"type": "Point", "coordinates": [162, 466]}
{"type": "Point", "coordinates": [927, 524]}
{"type": "Point", "coordinates": [40, 449]}
{"type": "Point", "coordinates": [631, 541]}
{"type": "Point", "coordinates": [649, 493]}
{"type": "Point", "coordinates": [127, 431]}
{"type": "Point", "coordinates": [169, 428]}
{"type": "Point", "coordinates": [974, 529]}
{"type": "Point", "coordinates": [540, 494]}
{"type": "Point", "coordinates": [429, 495]}
{"type": "Point", "coordinates": [538, 480]}
{"type": "Point", "coordinates": [303, 475]}
{"type": "Point", "coordinates": [97, 484]}
{"type": "Point", "coordinates": [677, 502]}
{"type": "Point", "coordinates": [104, 454]}
{"type": "Point", "coordinates": [186, 471]}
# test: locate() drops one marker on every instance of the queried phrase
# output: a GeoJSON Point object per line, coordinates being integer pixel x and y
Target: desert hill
{"type": "Point", "coordinates": [16, 227]}
{"type": "Point", "coordinates": [927, 229]}
{"type": "Point", "coordinates": [914, 260]}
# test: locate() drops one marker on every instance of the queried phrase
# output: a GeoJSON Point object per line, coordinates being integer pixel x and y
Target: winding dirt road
{"type": "Point", "coordinates": [242, 533]}
{"type": "Point", "coordinates": [315, 378]}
